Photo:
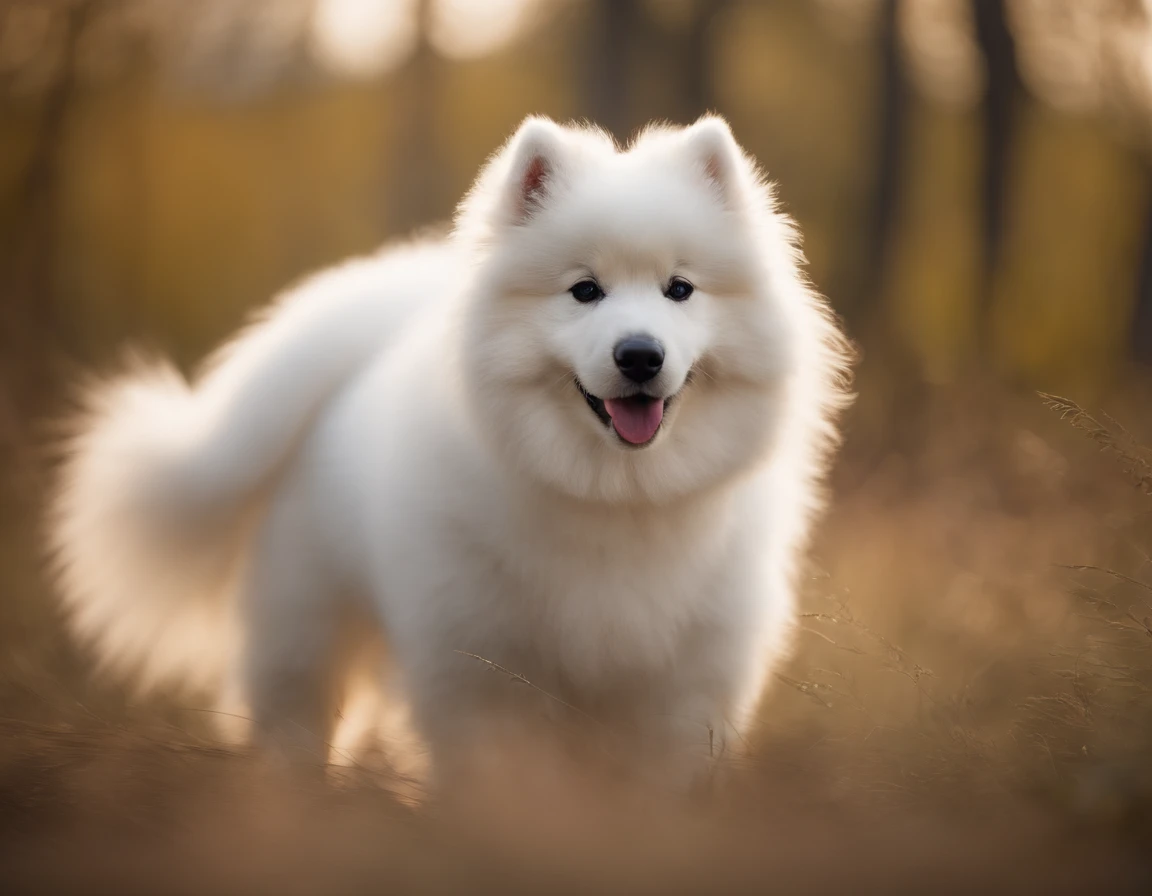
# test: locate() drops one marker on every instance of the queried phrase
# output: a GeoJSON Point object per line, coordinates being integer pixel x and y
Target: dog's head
{"type": "Point", "coordinates": [638, 316]}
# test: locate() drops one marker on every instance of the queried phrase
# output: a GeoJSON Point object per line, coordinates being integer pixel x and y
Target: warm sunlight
{"type": "Point", "coordinates": [363, 38]}
{"type": "Point", "coordinates": [470, 28]}
{"type": "Point", "coordinates": [520, 446]}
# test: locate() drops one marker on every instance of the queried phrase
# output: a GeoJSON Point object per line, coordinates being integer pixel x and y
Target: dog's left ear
{"type": "Point", "coordinates": [714, 150]}
{"type": "Point", "coordinates": [536, 151]}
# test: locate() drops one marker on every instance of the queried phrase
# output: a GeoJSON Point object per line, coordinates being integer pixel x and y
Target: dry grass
{"type": "Point", "coordinates": [969, 708]}
{"type": "Point", "coordinates": [109, 813]}
{"type": "Point", "coordinates": [1110, 435]}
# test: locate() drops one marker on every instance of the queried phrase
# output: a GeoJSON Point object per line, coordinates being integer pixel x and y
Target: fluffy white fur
{"type": "Point", "coordinates": [394, 468]}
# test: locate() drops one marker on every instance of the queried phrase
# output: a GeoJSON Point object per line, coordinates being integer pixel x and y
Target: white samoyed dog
{"type": "Point", "coordinates": [577, 442]}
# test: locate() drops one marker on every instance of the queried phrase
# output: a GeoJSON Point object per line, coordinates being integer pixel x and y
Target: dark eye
{"type": "Point", "coordinates": [587, 291]}
{"type": "Point", "coordinates": [679, 289]}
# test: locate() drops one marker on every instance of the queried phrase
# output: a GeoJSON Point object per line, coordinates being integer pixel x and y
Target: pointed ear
{"type": "Point", "coordinates": [535, 152]}
{"type": "Point", "coordinates": [715, 151]}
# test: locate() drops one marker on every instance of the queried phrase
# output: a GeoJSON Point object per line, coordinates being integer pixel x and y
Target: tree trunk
{"type": "Point", "coordinates": [29, 319]}
{"type": "Point", "coordinates": [891, 152]}
{"type": "Point", "coordinates": [615, 25]}
{"type": "Point", "coordinates": [898, 402]}
{"type": "Point", "coordinates": [416, 193]}
{"type": "Point", "coordinates": [1142, 319]}
{"type": "Point", "coordinates": [697, 61]}
{"type": "Point", "coordinates": [998, 120]}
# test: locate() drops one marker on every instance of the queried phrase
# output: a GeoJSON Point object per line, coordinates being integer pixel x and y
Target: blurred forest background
{"type": "Point", "coordinates": [973, 179]}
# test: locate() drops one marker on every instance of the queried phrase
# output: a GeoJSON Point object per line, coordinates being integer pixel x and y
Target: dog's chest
{"type": "Point", "coordinates": [614, 592]}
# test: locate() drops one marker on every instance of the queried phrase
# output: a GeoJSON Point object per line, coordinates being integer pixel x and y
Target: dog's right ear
{"type": "Point", "coordinates": [535, 152]}
{"type": "Point", "coordinates": [718, 156]}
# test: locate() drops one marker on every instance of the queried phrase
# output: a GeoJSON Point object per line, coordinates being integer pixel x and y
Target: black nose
{"type": "Point", "coordinates": [639, 357]}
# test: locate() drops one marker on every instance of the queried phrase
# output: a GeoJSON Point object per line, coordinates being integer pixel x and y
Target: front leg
{"type": "Point", "coordinates": [483, 722]}
{"type": "Point", "coordinates": [696, 719]}
{"type": "Point", "coordinates": [680, 740]}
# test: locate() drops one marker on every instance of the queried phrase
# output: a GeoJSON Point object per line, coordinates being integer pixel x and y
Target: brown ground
{"type": "Point", "coordinates": [964, 713]}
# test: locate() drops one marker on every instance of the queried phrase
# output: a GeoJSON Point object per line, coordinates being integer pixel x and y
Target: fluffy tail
{"type": "Point", "coordinates": [142, 571]}
{"type": "Point", "coordinates": [161, 480]}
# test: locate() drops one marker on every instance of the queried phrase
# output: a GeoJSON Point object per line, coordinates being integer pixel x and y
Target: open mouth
{"type": "Point", "coordinates": [635, 418]}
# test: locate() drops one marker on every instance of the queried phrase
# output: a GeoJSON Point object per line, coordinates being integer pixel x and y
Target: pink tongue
{"type": "Point", "coordinates": [635, 419]}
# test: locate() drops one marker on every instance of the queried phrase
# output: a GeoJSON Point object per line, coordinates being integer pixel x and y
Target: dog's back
{"type": "Point", "coordinates": [161, 478]}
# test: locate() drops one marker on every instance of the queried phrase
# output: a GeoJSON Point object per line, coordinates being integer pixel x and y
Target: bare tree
{"type": "Point", "coordinates": [615, 28]}
{"type": "Point", "coordinates": [891, 150]}
{"type": "Point", "coordinates": [1002, 95]}
{"type": "Point", "coordinates": [1142, 311]}
{"type": "Point", "coordinates": [415, 190]}
{"type": "Point", "coordinates": [28, 259]}
{"type": "Point", "coordinates": [696, 60]}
